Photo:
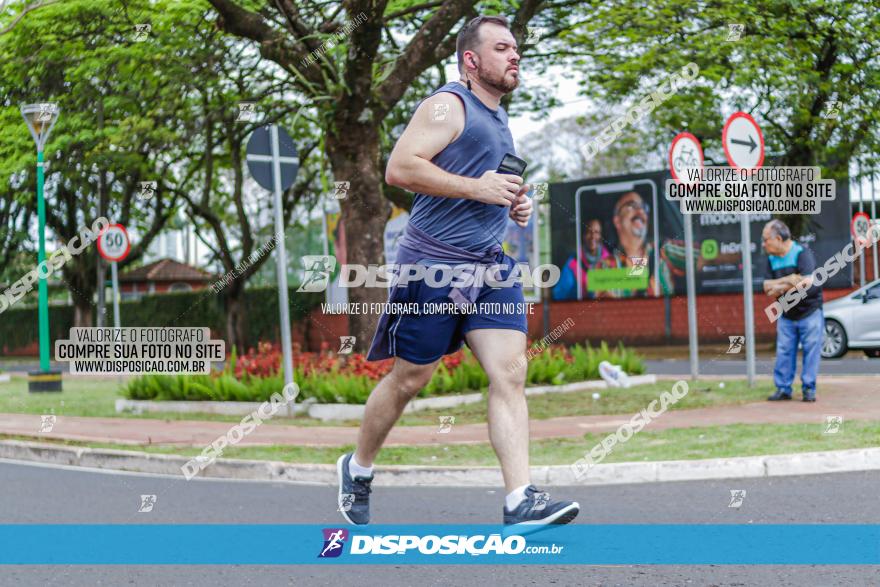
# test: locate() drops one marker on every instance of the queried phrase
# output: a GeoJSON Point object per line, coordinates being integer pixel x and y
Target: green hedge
{"type": "Point", "coordinates": [18, 326]}
{"type": "Point", "coordinates": [224, 387]}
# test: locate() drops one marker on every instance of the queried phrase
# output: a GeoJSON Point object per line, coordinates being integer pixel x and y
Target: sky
{"type": "Point", "coordinates": [522, 125]}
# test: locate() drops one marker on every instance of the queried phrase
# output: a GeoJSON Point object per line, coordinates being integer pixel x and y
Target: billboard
{"type": "Point", "coordinates": [619, 237]}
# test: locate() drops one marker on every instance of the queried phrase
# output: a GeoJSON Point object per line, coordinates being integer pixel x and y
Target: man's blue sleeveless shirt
{"type": "Point", "coordinates": [481, 146]}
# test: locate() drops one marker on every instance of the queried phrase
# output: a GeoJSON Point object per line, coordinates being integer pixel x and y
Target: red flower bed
{"type": "Point", "coordinates": [265, 361]}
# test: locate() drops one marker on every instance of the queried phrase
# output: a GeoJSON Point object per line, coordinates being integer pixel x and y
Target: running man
{"type": "Point", "coordinates": [448, 155]}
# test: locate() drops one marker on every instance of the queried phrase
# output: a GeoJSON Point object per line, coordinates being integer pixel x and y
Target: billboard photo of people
{"type": "Point", "coordinates": [593, 254]}
{"type": "Point", "coordinates": [623, 215]}
{"type": "Point", "coordinates": [620, 237]}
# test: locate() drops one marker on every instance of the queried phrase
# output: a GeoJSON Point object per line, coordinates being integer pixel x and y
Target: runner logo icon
{"type": "Point", "coordinates": [334, 540]}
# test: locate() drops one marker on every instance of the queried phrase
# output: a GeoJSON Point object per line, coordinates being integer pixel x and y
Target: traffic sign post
{"type": "Point", "coordinates": [743, 142]}
{"type": "Point", "coordinates": [114, 276]}
{"type": "Point", "coordinates": [744, 149]}
{"type": "Point", "coordinates": [874, 219]}
{"type": "Point", "coordinates": [860, 227]}
{"type": "Point", "coordinates": [861, 211]}
{"type": "Point", "coordinates": [114, 246]}
{"type": "Point", "coordinates": [273, 162]}
{"type": "Point", "coordinates": [746, 238]}
{"type": "Point", "coordinates": [686, 153]}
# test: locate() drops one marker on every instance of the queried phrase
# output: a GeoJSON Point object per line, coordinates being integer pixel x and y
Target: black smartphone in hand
{"type": "Point", "coordinates": [513, 165]}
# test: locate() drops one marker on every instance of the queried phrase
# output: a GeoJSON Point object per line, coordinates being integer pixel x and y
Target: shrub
{"type": "Point", "coordinates": [330, 378]}
{"type": "Point", "coordinates": [220, 387]}
{"type": "Point", "coordinates": [558, 365]}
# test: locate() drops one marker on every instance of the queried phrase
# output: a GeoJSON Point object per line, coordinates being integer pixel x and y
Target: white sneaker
{"type": "Point", "coordinates": [613, 375]}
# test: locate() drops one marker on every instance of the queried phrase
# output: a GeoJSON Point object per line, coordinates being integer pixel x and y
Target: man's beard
{"type": "Point", "coordinates": [500, 83]}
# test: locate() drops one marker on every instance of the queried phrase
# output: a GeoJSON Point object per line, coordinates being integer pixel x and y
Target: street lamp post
{"type": "Point", "coordinates": [40, 119]}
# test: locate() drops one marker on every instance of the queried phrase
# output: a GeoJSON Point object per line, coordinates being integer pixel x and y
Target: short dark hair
{"type": "Point", "coordinates": [780, 229]}
{"type": "Point", "coordinates": [469, 35]}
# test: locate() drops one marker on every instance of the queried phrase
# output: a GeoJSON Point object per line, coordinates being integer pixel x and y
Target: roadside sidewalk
{"type": "Point", "coordinates": [854, 398]}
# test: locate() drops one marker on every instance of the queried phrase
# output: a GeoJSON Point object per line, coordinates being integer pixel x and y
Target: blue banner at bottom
{"type": "Point", "coordinates": [276, 544]}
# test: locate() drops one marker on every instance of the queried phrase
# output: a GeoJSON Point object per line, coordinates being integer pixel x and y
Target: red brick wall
{"type": "Point", "coordinates": [642, 321]}
{"type": "Point", "coordinates": [638, 321]}
{"type": "Point", "coordinates": [612, 320]}
{"type": "Point", "coordinates": [32, 350]}
{"type": "Point", "coordinates": [321, 328]}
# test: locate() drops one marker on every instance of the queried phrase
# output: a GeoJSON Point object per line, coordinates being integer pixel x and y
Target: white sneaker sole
{"type": "Point", "coordinates": [563, 516]}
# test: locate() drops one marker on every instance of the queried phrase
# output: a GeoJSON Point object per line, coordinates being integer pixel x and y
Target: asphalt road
{"type": "Point", "coordinates": [39, 494]}
{"type": "Point", "coordinates": [851, 364]}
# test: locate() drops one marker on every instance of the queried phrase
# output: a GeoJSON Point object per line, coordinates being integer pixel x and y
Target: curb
{"type": "Point", "coordinates": [205, 407]}
{"type": "Point", "coordinates": [327, 412]}
{"type": "Point", "coordinates": [812, 463]}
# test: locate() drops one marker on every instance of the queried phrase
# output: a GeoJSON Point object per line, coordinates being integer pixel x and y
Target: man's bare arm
{"type": "Point", "coordinates": [438, 122]}
{"type": "Point", "coordinates": [771, 286]}
{"type": "Point", "coordinates": [778, 287]}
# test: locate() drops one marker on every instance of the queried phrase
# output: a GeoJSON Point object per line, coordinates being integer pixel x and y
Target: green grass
{"type": "Point", "coordinates": [677, 444]}
{"type": "Point", "coordinates": [96, 397]}
{"type": "Point", "coordinates": [702, 393]}
{"type": "Point", "coordinates": [92, 397]}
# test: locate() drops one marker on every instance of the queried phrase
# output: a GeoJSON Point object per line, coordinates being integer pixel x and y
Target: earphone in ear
{"type": "Point", "coordinates": [474, 64]}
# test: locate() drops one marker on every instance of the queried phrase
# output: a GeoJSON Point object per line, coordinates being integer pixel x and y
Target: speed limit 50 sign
{"type": "Point", "coordinates": [113, 243]}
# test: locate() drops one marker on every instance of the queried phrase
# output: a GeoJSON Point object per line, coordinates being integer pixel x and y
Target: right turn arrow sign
{"type": "Point", "coordinates": [742, 149]}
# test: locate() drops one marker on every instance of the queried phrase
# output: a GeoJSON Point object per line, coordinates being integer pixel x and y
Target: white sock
{"type": "Point", "coordinates": [356, 470]}
{"type": "Point", "coordinates": [515, 497]}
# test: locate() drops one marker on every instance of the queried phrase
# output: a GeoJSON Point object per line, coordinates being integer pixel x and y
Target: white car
{"type": "Point", "coordinates": [853, 322]}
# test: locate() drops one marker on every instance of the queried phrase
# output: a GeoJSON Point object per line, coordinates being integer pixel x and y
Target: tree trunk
{"type": "Point", "coordinates": [236, 320]}
{"type": "Point", "coordinates": [353, 151]}
{"type": "Point", "coordinates": [82, 314]}
{"type": "Point", "coordinates": [80, 280]}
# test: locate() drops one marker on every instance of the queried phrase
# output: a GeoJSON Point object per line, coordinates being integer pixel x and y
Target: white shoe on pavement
{"type": "Point", "coordinates": [613, 375]}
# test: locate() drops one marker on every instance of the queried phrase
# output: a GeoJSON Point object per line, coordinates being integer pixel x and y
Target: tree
{"type": "Point", "coordinates": [796, 65]}
{"type": "Point", "coordinates": [226, 208]}
{"type": "Point", "coordinates": [14, 217]}
{"type": "Point", "coordinates": [24, 8]}
{"type": "Point", "coordinates": [116, 109]}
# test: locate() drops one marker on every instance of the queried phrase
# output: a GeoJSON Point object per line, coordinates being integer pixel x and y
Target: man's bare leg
{"type": "Point", "coordinates": [386, 403]}
{"type": "Point", "coordinates": [501, 353]}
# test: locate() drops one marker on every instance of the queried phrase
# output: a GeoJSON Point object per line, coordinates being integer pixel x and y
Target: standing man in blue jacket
{"type": "Point", "coordinates": [789, 264]}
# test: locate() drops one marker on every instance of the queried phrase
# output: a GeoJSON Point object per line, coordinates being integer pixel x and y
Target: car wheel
{"type": "Point", "coordinates": [835, 342]}
{"type": "Point", "coordinates": [873, 353]}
